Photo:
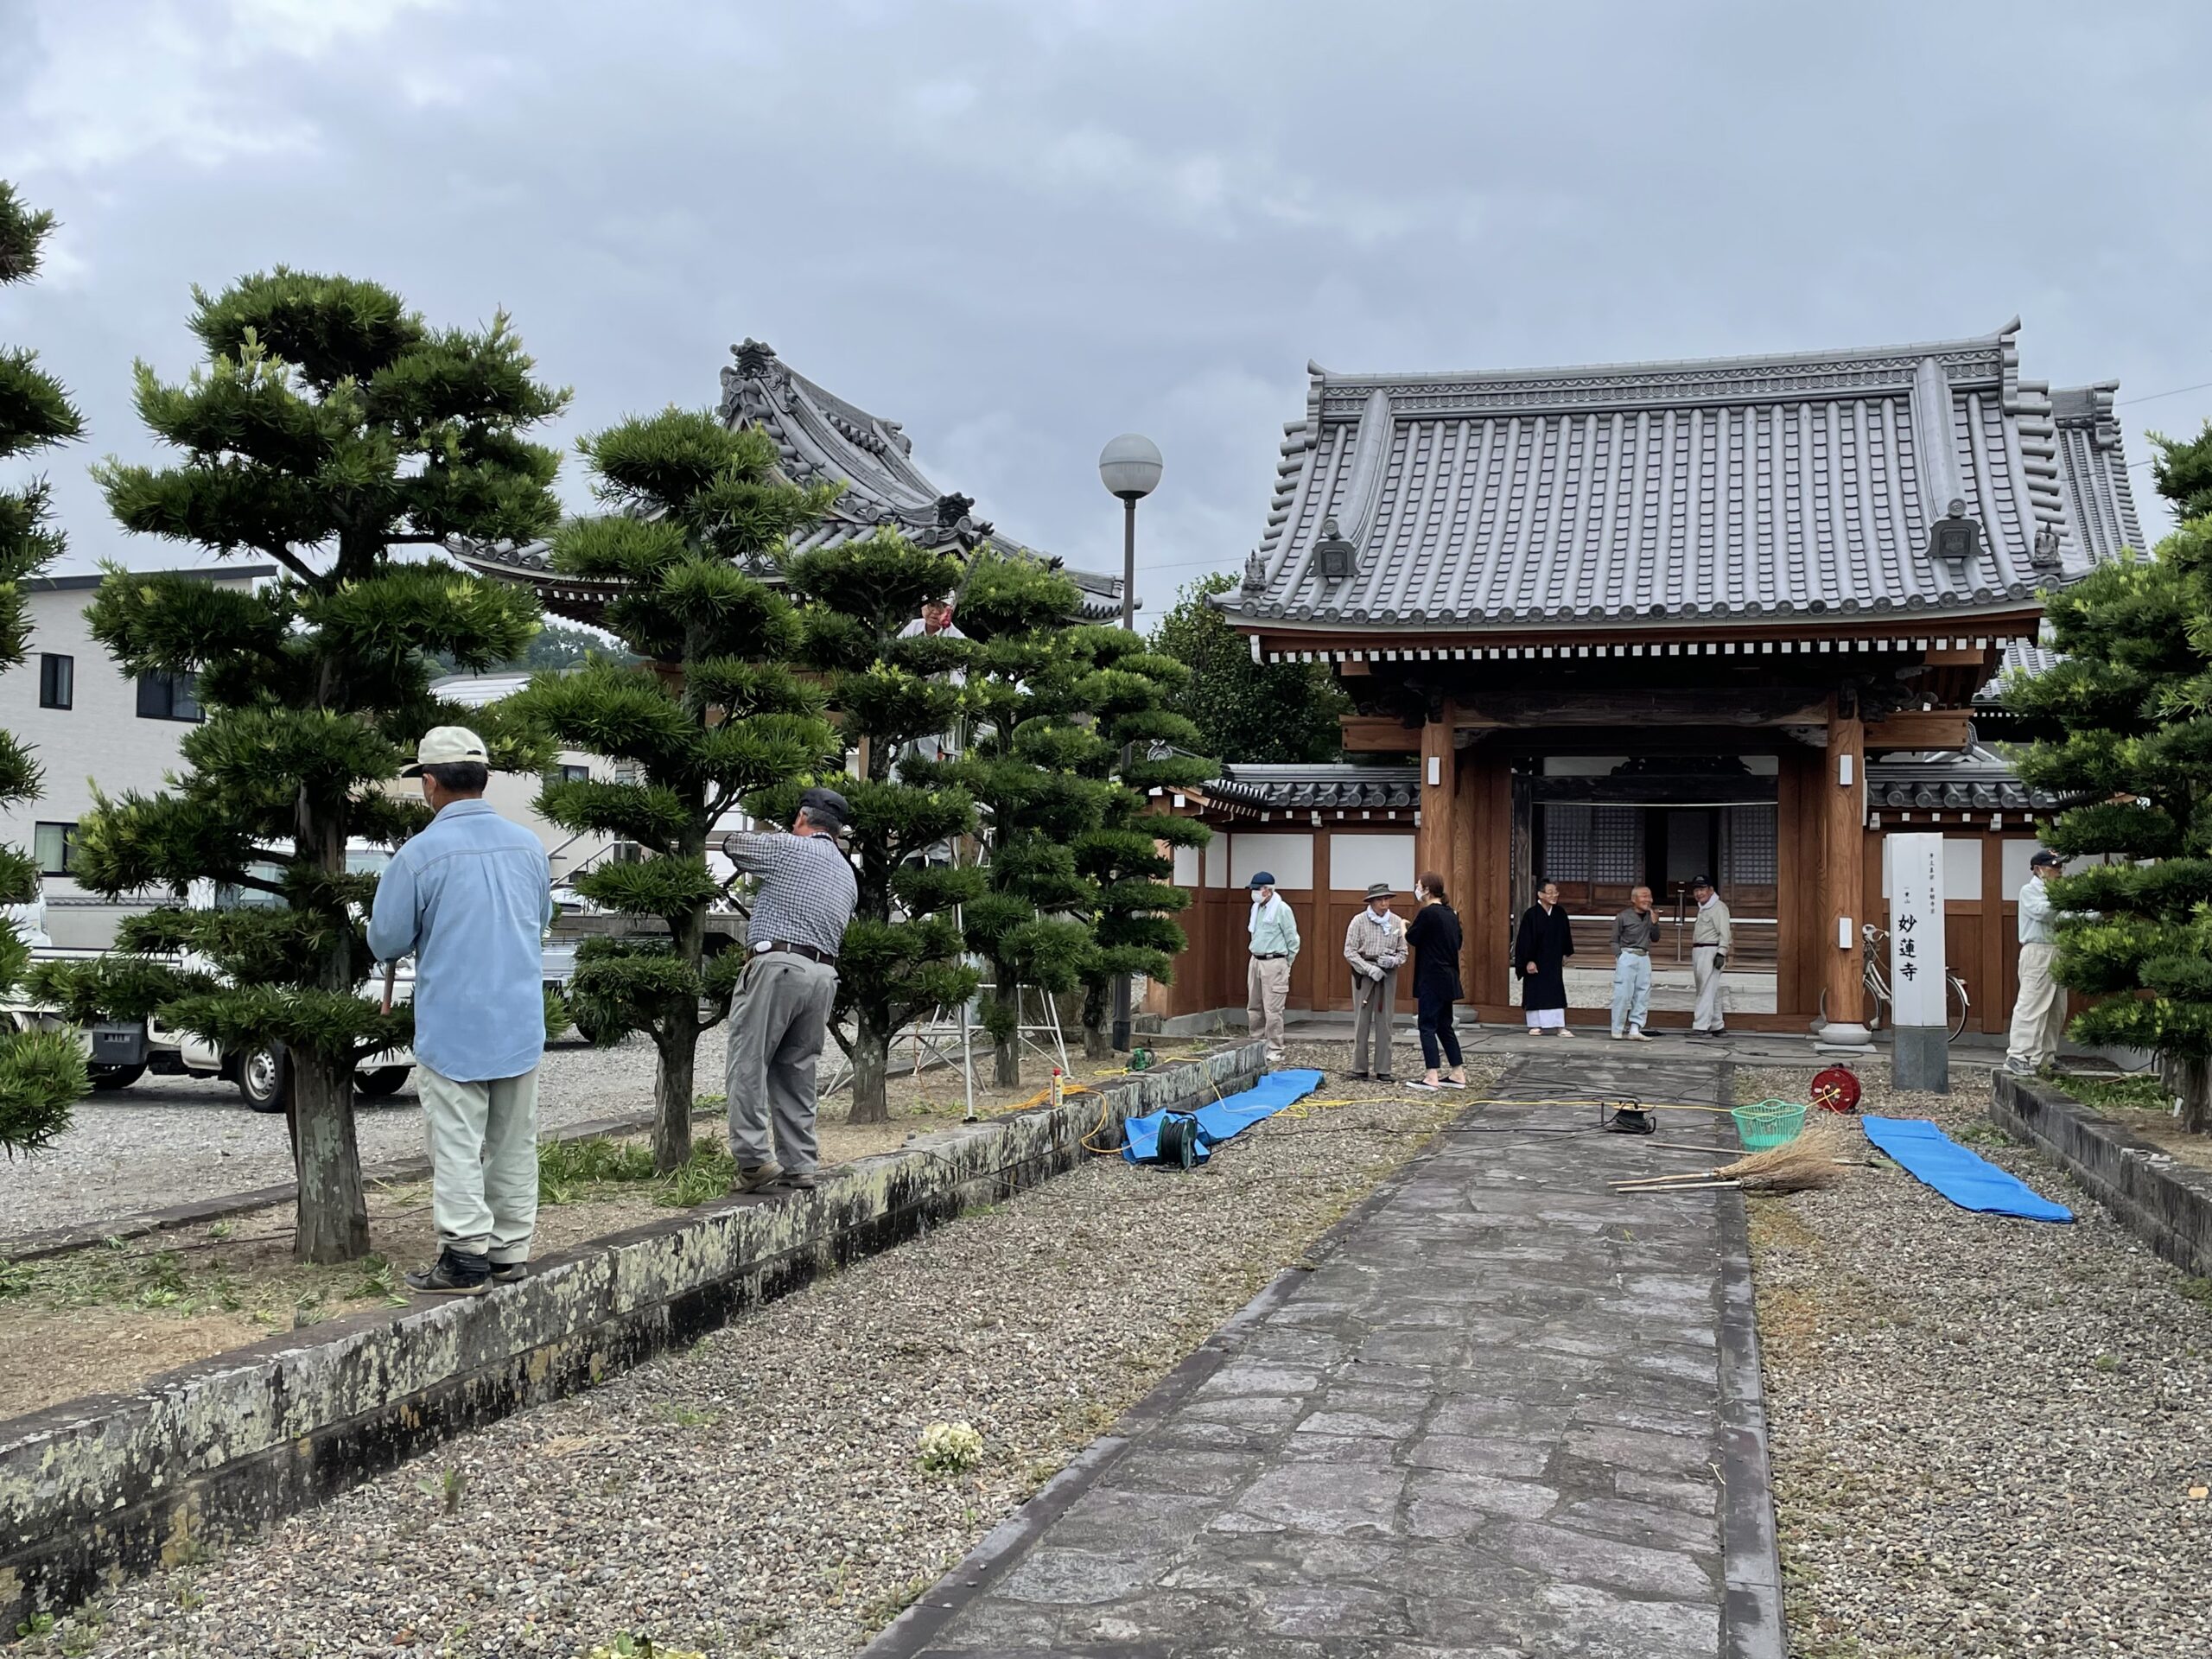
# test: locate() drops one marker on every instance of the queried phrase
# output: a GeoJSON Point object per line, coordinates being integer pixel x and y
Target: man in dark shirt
{"type": "Point", "coordinates": [806, 896]}
{"type": "Point", "coordinates": [1633, 928]}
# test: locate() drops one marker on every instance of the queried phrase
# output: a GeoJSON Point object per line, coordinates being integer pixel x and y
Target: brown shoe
{"type": "Point", "coordinates": [802, 1182]}
{"type": "Point", "coordinates": [751, 1177]}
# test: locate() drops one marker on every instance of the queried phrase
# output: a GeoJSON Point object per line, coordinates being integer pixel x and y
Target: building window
{"type": "Point", "coordinates": [168, 696]}
{"type": "Point", "coordinates": [575, 774]}
{"type": "Point", "coordinates": [56, 847]}
{"type": "Point", "coordinates": [57, 681]}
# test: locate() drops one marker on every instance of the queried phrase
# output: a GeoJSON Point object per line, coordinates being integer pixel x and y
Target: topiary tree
{"type": "Point", "coordinates": [2126, 743]}
{"type": "Point", "coordinates": [1035, 766]}
{"type": "Point", "coordinates": [330, 429]}
{"type": "Point", "coordinates": [711, 717]}
{"type": "Point", "coordinates": [1128, 857]}
{"type": "Point", "coordinates": [42, 1072]}
{"type": "Point", "coordinates": [902, 953]}
{"type": "Point", "coordinates": [1249, 711]}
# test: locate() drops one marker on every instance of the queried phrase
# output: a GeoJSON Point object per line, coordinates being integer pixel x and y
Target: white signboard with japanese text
{"type": "Point", "coordinates": [1915, 965]}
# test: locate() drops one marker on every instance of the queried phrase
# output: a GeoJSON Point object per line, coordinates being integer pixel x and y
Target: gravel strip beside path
{"type": "Point", "coordinates": [1984, 1432]}
{"type": "Point", "coordinates": [167, 1140]}
{"type": "Point", "coordinates": [760, 1494]}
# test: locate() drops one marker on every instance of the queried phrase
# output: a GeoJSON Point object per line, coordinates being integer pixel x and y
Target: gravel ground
{"type": "Point", "coordinates": [167, 1140]}
{"type": "Point", "coordinates": [760, 1493]}
{"type": "Point", "coordinates": [1986, 1432]}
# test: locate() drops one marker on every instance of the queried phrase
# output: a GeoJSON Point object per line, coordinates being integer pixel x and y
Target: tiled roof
{"type": "Point", "coordinates": [1970, 782]}
{"type": "Point", "coordinates": [1729, 490]}
{"type": "Point", "coordinates": [820, 436]}
{"type": "Point", "coordinates": [1283, 788]}
{"type": "Point", "coordinates": [2098, 503]}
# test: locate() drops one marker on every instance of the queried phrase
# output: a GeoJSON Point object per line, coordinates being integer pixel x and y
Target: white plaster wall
{"type": "Point", "coordinates": [1961, 866]}
{"type": "Point", "coordinates": [1289, 859]}
{"type": "Point", "coordinates": [1189, 863]}
{"type": "Point", "coordinates": [1217, 859]}
{"type": "Point", "coordinates": [1357, 860]}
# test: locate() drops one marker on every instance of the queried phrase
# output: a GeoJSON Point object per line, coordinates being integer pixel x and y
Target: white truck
{"type": "Point", "coordinates": [120, 1051]}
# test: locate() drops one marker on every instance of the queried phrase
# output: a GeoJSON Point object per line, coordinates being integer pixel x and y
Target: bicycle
{"type": "Point", "coordinates": [1874, 974]}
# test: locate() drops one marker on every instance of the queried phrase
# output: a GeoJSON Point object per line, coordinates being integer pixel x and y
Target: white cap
{"type": "Point", "coordinates": [445, 746]}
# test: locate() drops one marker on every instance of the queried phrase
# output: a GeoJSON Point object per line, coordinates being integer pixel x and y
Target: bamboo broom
{"type": "Point", "coordinates": [1811, 1161]}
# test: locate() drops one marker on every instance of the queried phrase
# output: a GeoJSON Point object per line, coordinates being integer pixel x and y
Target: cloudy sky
{"type": "Point", "coordinates": [1021, 226]}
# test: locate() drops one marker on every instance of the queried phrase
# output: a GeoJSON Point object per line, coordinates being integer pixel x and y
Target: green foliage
{"type": "Point", "coordinates": [1276, 712]}
{"type": "Point", "coordinates": [329, 426]}
{"type": "Point", "coordinates": [2125, 742]}
{"type": "Point", "coordinates": [41, 1073]}
{"type": "Point", "coordinates": [2183, 469]}
{"type": "Point", "coordinates": [706, 710]}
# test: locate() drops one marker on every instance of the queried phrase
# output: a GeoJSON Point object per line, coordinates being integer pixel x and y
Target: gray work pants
{"type": "Point", "coordinates": [1375, 1001]}
{"type": "Point", "coordinates": [1704, 967]}
{"type": "Point", "coordinates": [483, 1141]}
{"type": "Point", "coordinates": [776, 1028]}
{"type": "Point", "coordinates": [1268, 988]}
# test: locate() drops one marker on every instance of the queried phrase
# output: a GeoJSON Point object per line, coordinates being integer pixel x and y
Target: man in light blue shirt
{"type": "Point", "coordinates": [469, 899]}
{"type": "Point", "coordinates": [1272, 933]}
{"type": "Point", "coordinates": [2040, 1010]}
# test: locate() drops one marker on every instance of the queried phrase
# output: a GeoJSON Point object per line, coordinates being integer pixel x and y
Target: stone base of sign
{"type": "Point", "coordinates": [1921, 1058]}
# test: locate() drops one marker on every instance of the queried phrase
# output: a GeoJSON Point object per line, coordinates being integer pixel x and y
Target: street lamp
{"type": "Point", "coordinates": [1129, 468]}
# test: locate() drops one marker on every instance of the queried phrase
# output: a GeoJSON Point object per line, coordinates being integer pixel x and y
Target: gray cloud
{"type": "Point", "coordinates": [1022, 228]}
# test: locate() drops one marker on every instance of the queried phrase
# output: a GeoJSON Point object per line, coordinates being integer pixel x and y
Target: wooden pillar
{"type": "Point", "coordinates": [1801, 948]}
{"type": "Point", "coordinates": [1842, 793]}
{"type": "Point", "coordinates": [1440, 829]}
{"type": "Point", "coordinates": [1485, 907]}
{"type": "Point", "coordinates": [1992, 997]}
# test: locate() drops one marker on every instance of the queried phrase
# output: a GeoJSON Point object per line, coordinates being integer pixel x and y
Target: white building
{"type": "Point", "coordinates": [91, 726]}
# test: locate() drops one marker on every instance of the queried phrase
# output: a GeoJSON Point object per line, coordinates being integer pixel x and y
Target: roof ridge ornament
{"type": "Point", "coordinates": [1256, 572]}
{"type": "Point", "coordinates": [1334, 557]}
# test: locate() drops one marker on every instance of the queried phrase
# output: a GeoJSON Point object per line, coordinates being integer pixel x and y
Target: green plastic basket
{"type": "Point", "coordinates": [1769, 1124]}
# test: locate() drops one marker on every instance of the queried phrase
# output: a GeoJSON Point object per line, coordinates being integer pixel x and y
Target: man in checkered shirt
{"type": "Point", "coordinates": [806, 896]}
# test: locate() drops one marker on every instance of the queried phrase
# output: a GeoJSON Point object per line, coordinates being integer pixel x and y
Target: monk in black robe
{"type": "Point", "coordinates": [1540, 952]}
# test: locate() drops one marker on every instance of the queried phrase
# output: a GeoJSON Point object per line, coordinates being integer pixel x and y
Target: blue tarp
{"type": "Point", "coordinates": [1219, 1119]}
{"type": "Point", "coordinates": [1969, 1181]}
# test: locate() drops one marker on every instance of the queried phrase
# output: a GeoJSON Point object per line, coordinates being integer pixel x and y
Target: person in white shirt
{"type": "Point", "coordinates": [1711, 936]}
{"type": "Point", "coordinates": [1272, 933]}
{"type": "Point", "coordinates": [2039, 1011]}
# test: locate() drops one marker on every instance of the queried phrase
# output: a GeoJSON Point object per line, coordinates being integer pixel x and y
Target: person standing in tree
{"type": "Point", "coordinates": [2040, 1010]}
{"type": "Point", "coordinates": [469, 899]}
{"type": "Point", "coordinates": [1274, 944]}
{"type": "Point", "coordinates": [1710, 939]}
{"type": "Point", "coordinates": [1633, 931]}
{"type": "Point", "coordinates": [1434, 940]}
{"type": "Point", "coordinates": [1375, 945]}
{"type": "Point", "coordinates": [1541, 949]}
{"type": "Point", "coordinates": [789, 987]}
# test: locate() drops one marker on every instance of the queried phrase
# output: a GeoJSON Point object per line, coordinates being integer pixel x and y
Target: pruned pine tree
{"type": "Point", "coordinates": [902, 957]}
{"type": "Point", "coordinates": [710, 717]}
{"type": "Point", "coordinates": [1129, 857]}
{"type": "Point", "coordinates": [1036, 766]}
{"type": "Point", "coordinates": [330, 429]}
{"type": "Point", "coordinates": [42, 1072]}
{"type": "Point", "coordinates": [2125, 724]}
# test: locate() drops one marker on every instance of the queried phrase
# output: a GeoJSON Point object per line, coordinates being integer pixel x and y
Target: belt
{"type": "Point", "coordinates": [1709, 945]}
{"type": "Point", "coordinates": [792, 948]}
{"type": "Point", "coordinates": [1636, 949]}
{"type": "Point", "coordinates": [1270, 956]}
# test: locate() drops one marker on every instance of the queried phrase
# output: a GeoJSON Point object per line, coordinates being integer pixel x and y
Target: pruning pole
{"type": "Point", "coordinates": [390, 977]}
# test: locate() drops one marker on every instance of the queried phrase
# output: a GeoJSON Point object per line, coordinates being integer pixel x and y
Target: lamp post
{"type": "Point", "coordinates": [1129, 468]}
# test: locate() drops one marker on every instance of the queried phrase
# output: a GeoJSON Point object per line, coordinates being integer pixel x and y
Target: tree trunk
{"type": "Point", "coordinates": [333, 1211]}
{"type": "Point", "coordinates": [1098, 1044]}
{"type": "Point", "coordinates": [1006, 1048]}
{"type": "Point", "coordinates": [673, 1097]}
{"type": "Point", "coordinates": [871, 1059]}
{"type": "Point", "coordinates": [2191, 1082]}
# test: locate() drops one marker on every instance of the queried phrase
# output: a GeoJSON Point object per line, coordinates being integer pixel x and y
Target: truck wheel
{"type": "Point", "coordinates": [264, 1078]}
{"type": "Point", "coordinates": [384, 1080]}
{"type": "Point", "coordinates": [106, 1078]}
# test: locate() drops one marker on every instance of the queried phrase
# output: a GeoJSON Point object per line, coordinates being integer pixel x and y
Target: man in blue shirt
{"type": "Point", "coordinates": [469, 899]}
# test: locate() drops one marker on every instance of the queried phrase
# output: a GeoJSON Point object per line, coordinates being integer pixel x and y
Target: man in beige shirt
{"type": "Point", "coordinates": [1375, 945]}
{"type": "Point", "coordinates": [1709, 945]}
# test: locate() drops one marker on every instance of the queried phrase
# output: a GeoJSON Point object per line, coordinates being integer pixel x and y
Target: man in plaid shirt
{"type": "Point", "coordinates": [806, 895]}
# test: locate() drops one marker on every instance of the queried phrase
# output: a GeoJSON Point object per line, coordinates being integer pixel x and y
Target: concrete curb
{"type": "Point", "coordinates": [1750, 1620]}
{"type": "Point", "coordinates": [909, 1635]}
{"type": "Point", "coordinates": [2164, 1202]}
{"type": "Point", "coordinates": [115, 1484]}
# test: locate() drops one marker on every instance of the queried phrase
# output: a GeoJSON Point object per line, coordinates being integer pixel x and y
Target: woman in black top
{"type": "Point", "coordinates": [1433, 942]}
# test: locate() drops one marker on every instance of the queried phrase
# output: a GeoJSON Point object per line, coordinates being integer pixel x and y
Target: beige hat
{"type": "Point", "coordinates": [445, 746]}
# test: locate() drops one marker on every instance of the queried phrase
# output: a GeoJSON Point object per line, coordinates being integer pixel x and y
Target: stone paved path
{"type": "Point", "coordinates": [1508, 1414]}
